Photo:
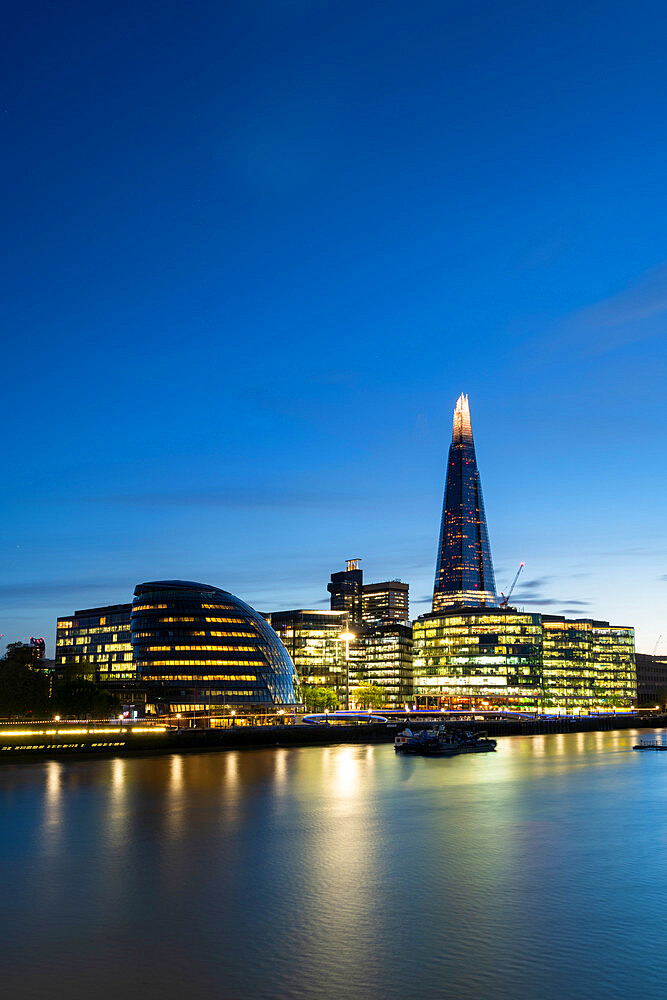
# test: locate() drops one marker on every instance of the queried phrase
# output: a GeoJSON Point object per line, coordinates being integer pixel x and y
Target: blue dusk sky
{"type": "Point", "coordinates": [253, 252]}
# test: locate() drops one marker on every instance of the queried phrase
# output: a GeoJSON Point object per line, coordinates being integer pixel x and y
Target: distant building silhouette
{"type": "Point", "coordinates": [345, 589]}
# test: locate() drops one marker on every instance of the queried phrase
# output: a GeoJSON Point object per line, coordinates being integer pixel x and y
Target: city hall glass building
{"type": "Point", "coordinates": [504, 658]}
{"type": "Point", "coordinates": [199, 648]}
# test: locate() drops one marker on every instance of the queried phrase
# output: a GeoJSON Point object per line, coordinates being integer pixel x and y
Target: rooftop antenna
{"type": "Point", "coordinates": [657, 643]}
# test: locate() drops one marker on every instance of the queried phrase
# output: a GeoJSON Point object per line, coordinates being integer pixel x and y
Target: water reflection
{"type": "Point", "coordinates": [53, 807]}
{"type": "Point", "coordinates": [295, 873]}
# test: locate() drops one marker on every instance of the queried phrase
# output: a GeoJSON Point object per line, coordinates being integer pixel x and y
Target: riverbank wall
{"type": "Point", "coordinates": [30, 742]}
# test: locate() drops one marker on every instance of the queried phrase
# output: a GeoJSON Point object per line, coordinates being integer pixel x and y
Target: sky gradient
{"type": "Point", "coordinates": [253, 253]}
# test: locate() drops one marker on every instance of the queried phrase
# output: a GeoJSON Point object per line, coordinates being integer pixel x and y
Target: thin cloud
{"type": "Point", "coordinates": [548, 602]}
{"type": "Point", "coordinates": [46, 593]}
{"type": "Point", "coordinates": [249, 497]}
{"type": "Point", "coordinates": [637, 312]}
{"type": "Point", "coordinates": [643, 300]}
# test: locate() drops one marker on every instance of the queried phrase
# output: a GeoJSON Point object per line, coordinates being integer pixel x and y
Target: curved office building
{"type": "Point", "coordinates": [199, 648]}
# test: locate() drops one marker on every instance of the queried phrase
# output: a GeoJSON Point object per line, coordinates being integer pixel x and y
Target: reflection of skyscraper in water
{"type": "Point", "coordinates": [464, 570]}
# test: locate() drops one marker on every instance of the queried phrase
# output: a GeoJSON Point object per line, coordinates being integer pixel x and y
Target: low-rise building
{"type": "Point", "coordinates": [588, 666]}
{"type": "Point", "coordinates": [99, 637]}
{"type": "Point", "coordinates": [651, 680]}
{"type": "Point", "coordinates": [478, 656]}
{"type": "Point", "coordinates": [504, 658]}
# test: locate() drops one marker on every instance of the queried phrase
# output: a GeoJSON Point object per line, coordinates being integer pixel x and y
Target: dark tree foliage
{"type": "Point", "coordinates": [24, 688]}
{"type": "Point", "coordinates": [79, 697]}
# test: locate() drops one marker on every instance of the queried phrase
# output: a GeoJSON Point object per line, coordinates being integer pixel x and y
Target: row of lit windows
{"type": "Point", "coordinates": [95, 656]}
{"type": "Point", "coordinates": [198, 649]}
{"type": "Point", "coordinates": [202, 663]}
{"type": "Point", "coordinates": [94, 644]}
{"type": "Point", "coordinates": [96, 629]}
{"type": "Point", "coordinates": [201, 706]}
{"type": "Point", "coordinates": [81, 638]}
{"type": "Point", "coordinates": [198, 618]}
{"type": "Point", "coordinates": [199, 677]}
{"type": "Point", "coordinates": [241, 621]}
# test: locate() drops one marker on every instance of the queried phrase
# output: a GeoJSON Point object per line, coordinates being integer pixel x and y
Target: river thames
{"type": "Point", "coordinates": [538, 871]}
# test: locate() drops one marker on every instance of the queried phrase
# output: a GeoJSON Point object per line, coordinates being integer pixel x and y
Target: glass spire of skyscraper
{"type": "Point", "coordinates": [464, 570]}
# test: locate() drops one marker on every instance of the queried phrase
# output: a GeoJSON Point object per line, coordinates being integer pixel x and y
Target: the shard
{"type": "Point", "coordinates": [464, 570]}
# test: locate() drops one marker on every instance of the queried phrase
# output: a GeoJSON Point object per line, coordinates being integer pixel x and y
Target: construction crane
{"type": "Point", "coordinates": [657, 643]}
{"type": "Point", "coordinates": [505, 600]}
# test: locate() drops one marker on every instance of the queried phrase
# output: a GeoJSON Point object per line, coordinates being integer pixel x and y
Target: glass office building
{"type": "Point", "coordinates": [464, 570]}
{"type": "Point", "coordinates": [385, 602]}
{"type": "Point", "coordinates": [504, 658]}
{"type": "Point", "coordinates": [198, 648]}
{"type": "Point", "coordinates": [386, 660]}
{"type": "Point", "coordinates": [651, 680]}
{"type": "Point", "coordinates": [313, 641]}
{"type": "Point", "coordinates": [466, 657]}
{"type": "Point", "coordinates": [588, 666]}
{"type": "Point", "coordinates": [97, 636]}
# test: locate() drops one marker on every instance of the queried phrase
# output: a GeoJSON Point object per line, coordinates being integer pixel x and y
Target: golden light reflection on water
{"type": "Point", "coordinates": [176, 774]}
{"type": "Point", "coordinates": [280, 768]}
{"type": "Point", "coordinates": [53, 807]}
{"type": "Point", "coordinates": [117, 811]}
{"type": "Point", "coordinates": [231, 771]}
{"type": "Point", "coordinates": [343, 773]}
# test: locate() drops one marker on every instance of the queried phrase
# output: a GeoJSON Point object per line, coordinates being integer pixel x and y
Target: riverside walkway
{"type": "Point", "coordinates": [20, 741]}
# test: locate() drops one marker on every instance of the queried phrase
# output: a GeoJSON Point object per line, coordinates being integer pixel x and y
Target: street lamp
{"type": "Point", "coordinates": [346, 637]}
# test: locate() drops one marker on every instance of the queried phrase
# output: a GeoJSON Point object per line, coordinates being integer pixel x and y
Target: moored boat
{"type": "Point", "coordinates": [650, 746]}
{"type": "Point", "coordinates": [442, 742]}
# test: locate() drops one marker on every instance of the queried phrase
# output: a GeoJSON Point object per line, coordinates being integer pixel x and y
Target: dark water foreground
{"type": "Point", "coordinates": [325, 872]}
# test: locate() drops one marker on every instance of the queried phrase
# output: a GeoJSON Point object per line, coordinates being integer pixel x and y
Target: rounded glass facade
{"type": "Point", "coordinates": [195, 645]}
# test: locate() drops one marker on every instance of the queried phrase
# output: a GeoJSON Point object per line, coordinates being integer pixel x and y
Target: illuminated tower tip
{"type": "Point", "coordinates": [462, 428]}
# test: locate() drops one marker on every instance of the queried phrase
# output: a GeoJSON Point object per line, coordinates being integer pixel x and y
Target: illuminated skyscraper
{"type": "Point", "coordinates": [464, 571]}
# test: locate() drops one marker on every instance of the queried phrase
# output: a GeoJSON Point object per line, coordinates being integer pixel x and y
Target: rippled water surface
{"type": "Point", "coordinates": [537, 871]}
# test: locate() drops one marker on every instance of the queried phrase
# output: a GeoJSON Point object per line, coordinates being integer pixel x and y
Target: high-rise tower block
{"type": "Point", "coordinates": [464, 570]}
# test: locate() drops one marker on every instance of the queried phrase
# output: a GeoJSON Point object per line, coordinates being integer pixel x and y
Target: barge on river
{"type": "Point", "coordinates": [442, 742]}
